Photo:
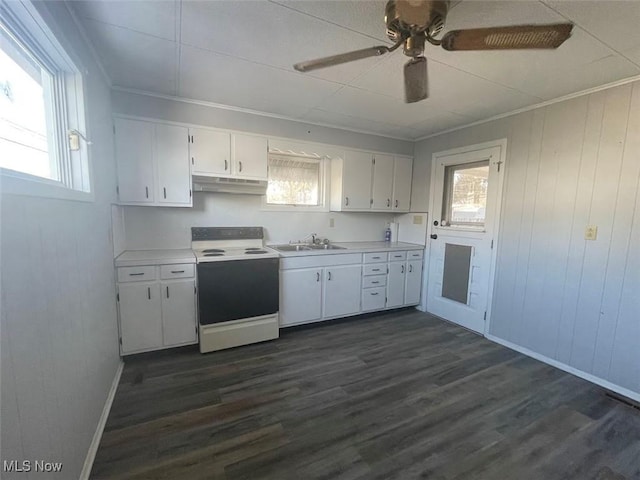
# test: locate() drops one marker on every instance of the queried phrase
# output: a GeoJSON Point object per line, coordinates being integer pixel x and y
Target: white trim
{"type": "Point", "coordinates": [19, 183]}
{"type": "Point", "coordinates": [97, 436]}
{"type": "Point", "coordinates": [221, 106]}
{"type": "Point", "coordinates": [562, 366]}
{"type": "Point", "coordinates": [546, 103]}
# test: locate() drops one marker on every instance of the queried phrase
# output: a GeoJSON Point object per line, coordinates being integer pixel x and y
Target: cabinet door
{"type": "Point", "coordinates": [140, 316]}
{"type": "Point", "coordinates": [210, 152]}
{"type": "Point", "coordinates": [413, 283]}
{"type": "Point", "coordinates": [250, 156]}
{"type": "Point", "coordinates": [134, 159]}
{"type": "Point", "coordinates": [342, 290]}
{"type": "Point", "coordinates": [173, 165]}
{"type": "Point", "coordinates": [300, 295]}
{"type": "Point", "coordinates": [356, 181]}
{"type": "Point", "coordinates": [382, 190]}
{"type": "Point", "coordinates": [395, 284]}
{"type": "Point", "coordinates": [402, 175]}
{"type": "Point", "coordinates": [178, 312]}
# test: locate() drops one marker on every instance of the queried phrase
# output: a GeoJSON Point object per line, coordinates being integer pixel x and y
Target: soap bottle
{"type": "Point", "coordinates": [387, 234]}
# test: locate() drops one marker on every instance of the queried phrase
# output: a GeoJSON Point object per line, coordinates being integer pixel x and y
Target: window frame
{"type": "Point", "coordinates": [447, 195]}
{"type": "Point", "coordinates": [323, 187]}
{"type": "Point", "coordinates": [29, 27]}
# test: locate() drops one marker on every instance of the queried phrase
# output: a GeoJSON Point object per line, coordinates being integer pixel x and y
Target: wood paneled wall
{"type": "Point", "coordinates": [569, 165]}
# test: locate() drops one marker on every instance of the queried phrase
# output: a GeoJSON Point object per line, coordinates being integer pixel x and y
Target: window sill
{"type": "Point", "coordinates": [16, 183]}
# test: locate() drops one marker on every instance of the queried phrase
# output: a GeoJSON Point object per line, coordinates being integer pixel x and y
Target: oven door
{"type": "Point", "coordinates": [234, 289]}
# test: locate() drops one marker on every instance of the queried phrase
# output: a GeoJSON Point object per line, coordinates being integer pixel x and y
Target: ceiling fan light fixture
{"type": "Point", "coordinates": [415, 80]}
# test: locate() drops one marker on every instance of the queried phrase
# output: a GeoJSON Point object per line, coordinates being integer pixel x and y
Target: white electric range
{"type": "Point", "coordinates": [238, 286]}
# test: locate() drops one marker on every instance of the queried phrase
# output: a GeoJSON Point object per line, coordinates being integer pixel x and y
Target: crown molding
{"type": "Point", "coordinates": [546, 103]}
{"type": "Point", "coordinates": [249, 111]}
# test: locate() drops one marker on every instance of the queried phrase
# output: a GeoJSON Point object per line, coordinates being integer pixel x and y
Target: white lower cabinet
{"type": "Point", "coordinates": [413, 282]}
{"type": "Point", "coordinates": [178, 312]}
{"type": "Point", "coordinates": [322, 287]}
{"type": "Point", "coordinates": [156, 312]}
{"type": "Point", "coordinates": [341, 290]}
{"type": "Point", "coordinates": [300, 295]}
{"type": "Point", "coordinates": [140, 316]}
{"type": "Point", "coordinates": [395, 284]}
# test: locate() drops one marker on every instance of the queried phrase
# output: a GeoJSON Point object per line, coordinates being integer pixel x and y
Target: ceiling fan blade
{"type": "Point", "coordinates": [504, 38]}
{"type": "Point", "coordinates": [415, 80]}
{"type": "Point", "coordinates": [341, 58]}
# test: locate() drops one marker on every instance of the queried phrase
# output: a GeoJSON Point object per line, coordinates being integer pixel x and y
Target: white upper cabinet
{"type": "Point", "coordinates": [351, 181]}
{"type": "Point", "coordinates": [153, 163]}
{"type": "Point", "coordinates": [172, 161]}
{"type": "Point", "coordinates": [210, 152]}
{"type": "Point", "coordinates": [371, 182]}
{"type": "Point", "coordinates": [382, 189]}
{"type": "Point", "coordinates": [134, 157]}
{"type": "Point", "coordinates": [250, 156]}
{"type": "Point", "coordinates": [402, 175]}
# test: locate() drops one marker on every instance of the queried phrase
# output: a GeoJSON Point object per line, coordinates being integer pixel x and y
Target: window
{"type": "Point", "coordinates": [294, 181]}
{"type": "Point", "coordinates": [41, 107]}
{"type": "Point", "coordinates": [465, 194]}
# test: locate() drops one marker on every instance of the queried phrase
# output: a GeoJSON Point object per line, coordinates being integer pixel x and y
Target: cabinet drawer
{"type": "Point", "coordinates": [397, 256]}
{"type": "Point", "coordinates": [374, 281]}
{"type": "Point", "coordinates": [415, 254]}
{"type": "Point", "coordinates": [373, 299]}
{"type": "Point", "coordinates": [180, 270]}
{"type": "Point", "coordinates": [375, 269]}
{"type": "Point", "coordinates": [137, 274]}
{"type": "Point", "coordinates": [379, 257]}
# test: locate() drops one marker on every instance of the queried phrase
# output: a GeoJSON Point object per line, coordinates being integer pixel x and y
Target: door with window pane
{"type": "Point", "coordinates": [465, 206]}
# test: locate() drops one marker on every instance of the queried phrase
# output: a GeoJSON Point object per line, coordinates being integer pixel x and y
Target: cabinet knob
{"type": "Point", "coordinates": [164, 191]}
{"type": "Point", "coordinates": [167, 291]}
{"type": "Point", "coordinates": [240, 166]}
{"type": "Point", "coordinates": [396, 203]}
{"type": "Point", "coordinates": [346, 200]}
{"type": "Point", "coordinates": [388, 202]}
{"type": "Point", "coordinates": [329, 276]}
{"type": "Point", "coordinates": [149, 293]}
{"type": "Point", "coordinates": [226, 164]}
{"type": "Point", "coordinates": [434, 236]}
{"type": "Point", "coordinates": [317, 276]}
{"type": "Point", "coordinates": [146, 191]}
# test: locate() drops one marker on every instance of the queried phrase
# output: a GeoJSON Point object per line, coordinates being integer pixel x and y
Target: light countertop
{"type": "Point", "coordinates": [355, 247]}
{"type": "Point", "coordinates": [135, 258]}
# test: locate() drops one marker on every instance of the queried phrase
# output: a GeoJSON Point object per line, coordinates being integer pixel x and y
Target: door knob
{"type": "Point", "coordinates": [434, 236]}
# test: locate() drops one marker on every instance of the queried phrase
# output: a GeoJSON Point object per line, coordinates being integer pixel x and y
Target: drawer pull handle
{"type": "Point", "coordinates": [136, 274]}
{"type": "Point", "coordinates": [410, 268]}
{"type": "Point", "coordinates": [149, 293]}
{"type": "Point", "coordinates": [376, 258]}
{"type": "Point", "coordinates": [402, 269]}
{"type": "Point", "coordinates": [375, 269]}
{"type": "Point", "coordinates": [328, 275]}
{"type": "Point", "coordinates": [374, 283]}
{"type": "Point", "coordinates": [177, 271]}
{"type": "Point", "coordinates": [375, 293]}
{"type": "Point", "coordinates": [317, 276]}
{"type": "Point", "coordinates": [225, 165]}
{"type": "Point", "coordinates": [167, 291]}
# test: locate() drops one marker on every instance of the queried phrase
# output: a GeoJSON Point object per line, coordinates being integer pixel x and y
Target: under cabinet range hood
{"type": "Point", "coordinates": [229, 185]}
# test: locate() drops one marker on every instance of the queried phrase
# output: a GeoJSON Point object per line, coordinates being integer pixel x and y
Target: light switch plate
{"type": "Point", "coordinates": [417, 220]}
{"type": "Point", "coordinates": [591, 232]}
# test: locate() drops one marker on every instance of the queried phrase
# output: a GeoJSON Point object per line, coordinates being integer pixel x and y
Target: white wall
{"type": "Point", "coordinates": [153, 227]}
{"type": "Point", "coordinates": [59, 332]}
{"type": "Point", "coordinates": [568, 165]}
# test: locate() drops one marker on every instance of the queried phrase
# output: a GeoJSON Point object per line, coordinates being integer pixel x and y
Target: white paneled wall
{"type": "Point", "coordinates": [569, 165]}
{"type": "Point", "coordinates": [59, 331]}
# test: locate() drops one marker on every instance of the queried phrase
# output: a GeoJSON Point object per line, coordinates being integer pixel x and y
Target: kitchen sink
{"type": "Point", "coordinates": [291, 248]}
{"type": "Point", "coordinates": [326, 247]}
{"type": "Point", "coordinates": [302, 248]}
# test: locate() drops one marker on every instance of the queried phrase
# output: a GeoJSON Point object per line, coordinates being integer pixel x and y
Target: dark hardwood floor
{"type": "Point", "coordinates": [396, 396]}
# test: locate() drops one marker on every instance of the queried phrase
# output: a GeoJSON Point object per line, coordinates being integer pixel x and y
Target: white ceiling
{"type": "Point", "coordinates": [240, 53]}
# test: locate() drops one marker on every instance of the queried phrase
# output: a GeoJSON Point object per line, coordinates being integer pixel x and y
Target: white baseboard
{"type": "Point", "coordinates": [574, 371]}
{"type": "Point", "coordinates": [97, 436]}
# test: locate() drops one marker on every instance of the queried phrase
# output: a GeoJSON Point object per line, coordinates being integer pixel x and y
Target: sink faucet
{"type": "Point", "coordinates": [311, 236]}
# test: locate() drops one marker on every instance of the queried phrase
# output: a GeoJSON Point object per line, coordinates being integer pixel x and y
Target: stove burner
{"type": "Point", "coordinates": [213, 254]}
{"type": "Point", "coordinates": [255, 252]}
{"type": "Point", "coordinates": [213, 250]}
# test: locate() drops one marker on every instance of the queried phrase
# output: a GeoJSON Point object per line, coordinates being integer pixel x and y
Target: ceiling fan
{"type": "Point", "coordinates": [411, 23]}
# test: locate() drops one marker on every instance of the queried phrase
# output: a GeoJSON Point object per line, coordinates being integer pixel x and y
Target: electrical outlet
{"type": "Point", "coordinates": [417, 219]}
{"type": "Point", "coordinates": [591, 232]}
{"type": "Point", "coordinates": [332, 223]}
